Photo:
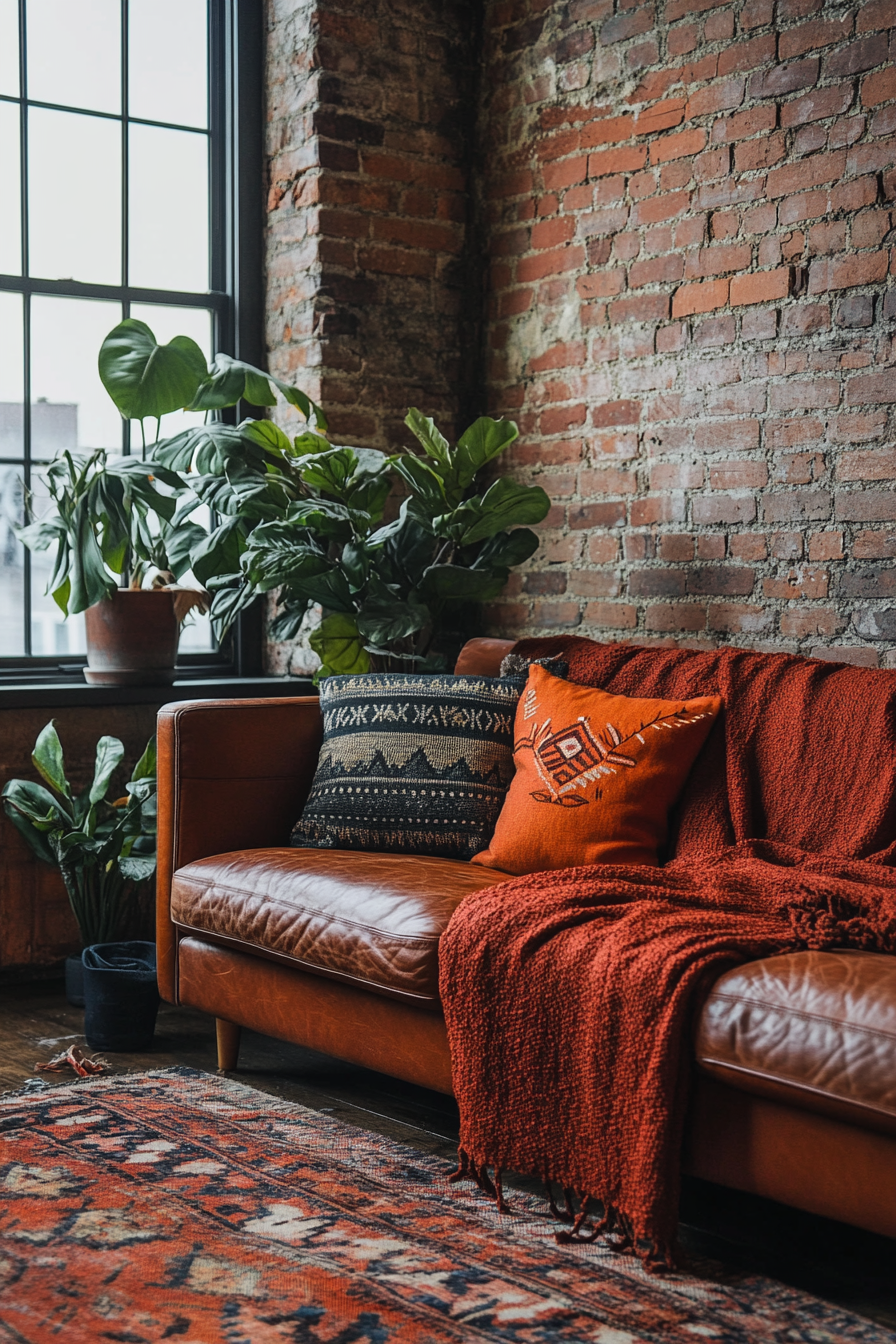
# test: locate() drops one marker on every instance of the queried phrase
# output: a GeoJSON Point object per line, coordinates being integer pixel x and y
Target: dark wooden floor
{"type": "Point", "coordinates": [852, 1268]}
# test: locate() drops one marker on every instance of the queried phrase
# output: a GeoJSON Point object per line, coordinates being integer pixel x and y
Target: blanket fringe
{"type": "Point", "coordinates": [658, 1257]}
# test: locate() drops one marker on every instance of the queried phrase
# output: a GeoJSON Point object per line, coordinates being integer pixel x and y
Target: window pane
{"type": "Point", "coordinates": [11, 376]}
{"type": "Point", "coordinates": [74, 53]}
{"type": "Point", "coordinates": [168, 209]}
{"type": "Point", "coordinates": [71, 407]}
{"type": "Point", "coordinates": [167, 44]}
{"type": "Point", "coordinates": [10, 199]}
{"type": "Point", "coordinates": [12, 564]}
{"type": "Point", "coordinates": [74, 197]}
{"type": "Point", "coordinates": [9, 47]}
{"type": "Point", "coordinates": [52, 635]}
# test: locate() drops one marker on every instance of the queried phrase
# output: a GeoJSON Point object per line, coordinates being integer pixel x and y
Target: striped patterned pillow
{"type": "Point", "coordinates": [411, 764]}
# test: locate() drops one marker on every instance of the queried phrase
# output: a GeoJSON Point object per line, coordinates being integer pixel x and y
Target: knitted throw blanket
{"type": "Point", "coordinates": [570, 996]}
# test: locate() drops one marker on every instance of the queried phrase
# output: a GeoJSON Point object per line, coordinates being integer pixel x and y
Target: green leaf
{"type": "Point", "coordinates": [425, 484]}
{"type": "Point", "coordinates": [147, 380]}
{"type": "Point", "coordinates": [435, 445]}
{"type": "Point", "coordinates": [48, 760]}
{"type": "Point", "coordinates": [218, 553]}
{"type": "Point", "coordinates": [339, 646]}
{"type": "Point", "coordinates": [268, 435]}
{"type": "Point", "coordinates": [479, 444]}
{"type": "Point", "coordinates": [109, 755]}
{"type": "Point", "coordinates": [330, 471]}
{"type": "Point", "coordinates": [232, 380]}
{"type": "Point", "coordinates": [180, 541]}
{"type": "Point", "coordinates": [146, 766]}
{"type": "Point", "coordinates": [385, 618]}
{"type": "Point", "coordinates": [456, 583]}
{"type": "Point", "coordinates": [503, 505]}
{"type": "Point", "coordinates": [206, 446]}
{"type": "Point", "coordinates": [137, 868]}
{"type": "Point", "coordinates": [507, 549]}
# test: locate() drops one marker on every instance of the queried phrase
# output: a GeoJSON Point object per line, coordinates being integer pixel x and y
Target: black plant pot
{"type": "Point", "coordinates": [74, 981]}
{"type": "Point", "coordinates": [121, 997]}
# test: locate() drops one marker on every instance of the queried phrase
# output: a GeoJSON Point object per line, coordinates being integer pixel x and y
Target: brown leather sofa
{"type": "Point", "coordinates": [795, 1086]}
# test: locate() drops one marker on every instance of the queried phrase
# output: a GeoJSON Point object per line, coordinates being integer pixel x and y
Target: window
{"type": "Point", "coordinates": [122, 177]}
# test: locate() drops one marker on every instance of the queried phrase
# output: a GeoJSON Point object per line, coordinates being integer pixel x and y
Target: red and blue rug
{"type": "Point", "coordinates": [181, 1206]}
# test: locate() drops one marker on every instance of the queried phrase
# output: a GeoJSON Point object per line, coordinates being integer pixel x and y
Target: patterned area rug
{"type": "Point", "coordinates": [182, 1206]}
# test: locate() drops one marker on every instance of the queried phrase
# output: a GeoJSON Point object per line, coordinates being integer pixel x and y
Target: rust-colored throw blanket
{"type": "Point", "coordinates": [570, 996]}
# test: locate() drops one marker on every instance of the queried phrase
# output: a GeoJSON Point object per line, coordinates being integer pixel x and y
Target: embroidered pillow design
{"type": "Point", "coordinates": [596, 775]}
{"type": "Point", "coordinates": [411, 764]}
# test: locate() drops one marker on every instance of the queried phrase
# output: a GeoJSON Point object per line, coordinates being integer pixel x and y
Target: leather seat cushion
{"type": "Point", "coordinates": [371, 919]}
{"type": "Point", "coordinates": [814, 1029]}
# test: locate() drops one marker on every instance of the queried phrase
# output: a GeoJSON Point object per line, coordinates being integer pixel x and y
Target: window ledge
{"type": "Point", "coordinates": [55, 695]}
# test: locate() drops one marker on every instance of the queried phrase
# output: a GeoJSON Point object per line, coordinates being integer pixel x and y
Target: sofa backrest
{"type": "Point", "coordinates": [482, 657]}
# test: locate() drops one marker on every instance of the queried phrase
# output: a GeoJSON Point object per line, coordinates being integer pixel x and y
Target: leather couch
{"type": "Point", "coordinates": [795, 1055]}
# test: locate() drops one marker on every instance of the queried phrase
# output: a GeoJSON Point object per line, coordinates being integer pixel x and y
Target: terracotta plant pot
{"type": "Point", "coordinates": [132, 639]}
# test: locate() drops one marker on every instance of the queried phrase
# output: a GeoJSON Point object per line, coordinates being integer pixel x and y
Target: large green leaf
{"type": "Point", "coordinates": [338, 644]}
{"type": "Point", "coordinates": [147, 380]}
{"type": "Point", "coordinates": [232, 380]}
{"type": "Point", "coordinates": [503, 505]}
{"type": "Point", "coordinates": [270, 436]}
{"type": "Point", "coordinates": [219, 552]}
{"type": "Point", "coordinates": [137, 868]}
{"type": "Point", "coordinates": [507, 549]}
{"type": "Point", "coordinates": [456, 583]}
{"type": "Point", "coordinates": [426, 485]}
{"type": "Point", "coordinates": [49, 761]}
{"type": "Point", "coordinates": [435, 445]}
{"type": "Point", "coordinates": [479, 444]}
{"type": "Point", "coordinates": [330, 471]}
{"type": "Point", "coordinates": [385, 618]}
{"type": "Point", "coordinates": [109, 755]}
{"type": "Point", "coordinates": [145, 768]}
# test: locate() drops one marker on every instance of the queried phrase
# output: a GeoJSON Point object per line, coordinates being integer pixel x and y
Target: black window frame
{"type": "Point", "coordinates": [236, 292]}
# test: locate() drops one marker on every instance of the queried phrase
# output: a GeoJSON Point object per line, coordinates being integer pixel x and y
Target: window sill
{"type": "Point", "coordinates": [56, 695]}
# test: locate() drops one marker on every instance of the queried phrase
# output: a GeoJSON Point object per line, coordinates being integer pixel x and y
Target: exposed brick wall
{"type": "Point", "coordinates": [373, 303]}
{"type": "Point", "coordinates": [690, 208]}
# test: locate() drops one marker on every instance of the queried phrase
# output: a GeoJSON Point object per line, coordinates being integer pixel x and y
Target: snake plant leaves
{"type": "Point", "coordinates": [147, 380]}
{"type": "Point", "coordinates": [48, 760]}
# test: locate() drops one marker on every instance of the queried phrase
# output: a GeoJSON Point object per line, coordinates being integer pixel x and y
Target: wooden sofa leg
{"type": "Point", "coordinates": [228, 1034]}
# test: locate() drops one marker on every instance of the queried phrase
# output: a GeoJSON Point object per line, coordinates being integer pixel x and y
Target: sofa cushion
{"type": "Point", "coordinates": [813, 1029]}
{"type": "Point", "coordinates": [411, 764]}
{"type": "Point", "coordinates": [596, 775]}
{"type": "Point", "coordinates": [371, 919]}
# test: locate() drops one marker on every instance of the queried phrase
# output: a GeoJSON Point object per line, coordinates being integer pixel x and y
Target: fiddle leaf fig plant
{"type": "Point", "coordinates": [105, 850]}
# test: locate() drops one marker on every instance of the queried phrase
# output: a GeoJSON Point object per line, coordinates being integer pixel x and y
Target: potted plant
{"type": "Point", "coordinates": [122, 526]}
{"type": "Point", "coordinates": [307, 518]}
{"type": "Point", "coordinates": [105, 850]}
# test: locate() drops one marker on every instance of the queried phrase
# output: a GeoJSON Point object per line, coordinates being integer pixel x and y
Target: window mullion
{"type": "Point", "coordinates": [125, 197]}
{"type": "Point", "coordinates": [26, 313]}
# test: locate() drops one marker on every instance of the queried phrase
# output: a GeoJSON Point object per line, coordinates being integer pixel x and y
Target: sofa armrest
{"type": "Point", "coordinates": [233, 774]}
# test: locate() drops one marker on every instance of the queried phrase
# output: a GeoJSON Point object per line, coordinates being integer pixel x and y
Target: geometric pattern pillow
{"type": "Point", "coordinates": [411, 764]}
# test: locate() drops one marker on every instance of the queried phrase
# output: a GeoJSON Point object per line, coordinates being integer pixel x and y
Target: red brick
{"type": "Point", "coordinates": [879, 87]}
{"type": "Point", "coordinates": [760, 286]}
{"type": "Point", "coordinates": [515, 302]}
{"type": "Point", "coordinates": [756, 51]}
{"type": "Point", "coordinates": [611, 615]}
{"type": "Point", "coordinates": [795, 506]}
{"type": "Point", "coordinates": [867, 464]}
{"type": "Point", "coordinates": [751, 155]}
{"type": "Point", "coordinates": [845, 272]}
{"type": "Point", "coordinates": [416, 233]}
{"type": "Point", "coordinates": [738, 474]}
{"type": "Point", "coordinates": [863, 54]}
{"type": "Point", "coordinates": [738, 618]}
{"type": "Point", "coordinates": [565, 172]}
{"type": "Point", "coordinates": [655, 269]}
{"type": "Point", "coordinates": [556, 261]}
{"type": "Point", "coordinates": [865, 506]}
{"type": "Point", "coordinates": [564, 355]}
{"type": "Point", "coordinates": [657, 208]}
{"type": "Point", "coordinates": [715, 510]}
{"type": "Point", "coordinates": [640, 308]}
{"type": "Point", "coordinates": [811, 172]}
{"type": "Point", "coordinates": [798, 583]}
{"type": "Point", "coordinates": [747, 546]}
{"type": "Point", "coordinates": [678, 146]}
{"type": "Point", "coordinates": [817, 105]}
{"type": "Point", "coordinates": [826, 546]}
{"type": "Point", "coordinates": [556, 615]}
{"type": "Point", "coordinates": [876, 545]}
{"type": "Point", "coordinates": [718, 97]}
{"type": "Point", "coordinates": [601, 284]}
{"type": "Point", "coordinates": [809, 622]}
{"type": "Point", "coordinates": [874, 15]}
{"type": "Point", "coordinates": [721, 581]}
{"type": "Point", "coordinates": [676, 616]}
{"type": "Point", "coordinates": [609, 161]}
{"type": "Point", "coordinates": [780, 79]}
{"type": "Point", "coordinates": [625, 25]}
{"type": "Point", "coordinates": [811, 36]}
{"type": "Point", "coordinates": [616, 413]}
{"type": "Point", "coordinates": [754, 121]}
{"type": "Point", "coordinates": [699, 298]}
{"type": "Point", "coordinates": [395, 261]}
{"type": "Point", "coordinates": [842, 653]}
{"type": "Point", "coordinates": [804, 393]}
{"type": "Point", "coordinates": [557, 419]}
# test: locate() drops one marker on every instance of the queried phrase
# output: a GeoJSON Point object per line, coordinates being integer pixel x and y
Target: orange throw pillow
{"type": "Point", "coordinates": [596, 775]}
